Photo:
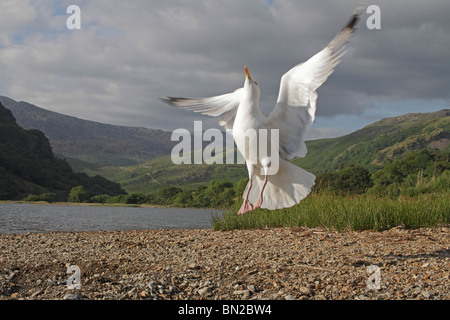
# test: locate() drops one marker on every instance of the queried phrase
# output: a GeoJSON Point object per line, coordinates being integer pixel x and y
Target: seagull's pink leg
{"type": "Point", "coordinates": [246, 206]}
{"type": "Point", "coordinates": [260, 199]}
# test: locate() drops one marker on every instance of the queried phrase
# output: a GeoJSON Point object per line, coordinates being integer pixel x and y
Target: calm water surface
{"type": "Point", "coordinates": [22, 218]}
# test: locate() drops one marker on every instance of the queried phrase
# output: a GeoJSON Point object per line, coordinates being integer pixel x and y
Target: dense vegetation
{"type": "Point", "coordinates": [418, 172]}
{"type": "Point", "coordinates": [219, 194]}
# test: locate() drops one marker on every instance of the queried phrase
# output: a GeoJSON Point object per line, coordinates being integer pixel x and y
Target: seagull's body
{"type": "Point", "coordinates": [293, 115]}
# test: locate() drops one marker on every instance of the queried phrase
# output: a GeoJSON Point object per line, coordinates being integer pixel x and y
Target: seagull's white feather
{"type": "Point", "coordinates": [295, 110]}
{"type": "Point", "coordinates": [288, 187]}
{"type": "Point", "coordinates": [213, 106]}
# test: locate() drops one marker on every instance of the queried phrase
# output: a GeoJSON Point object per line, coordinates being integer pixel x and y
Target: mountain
{"type": "Point", "coordinates": [28, 166]}
{"type": "Point", "coordinates": [88, 144]}
{"type": "Point", "coordinates": [387, 139]}
{"type": "Point", "coordinates": [139, 159]}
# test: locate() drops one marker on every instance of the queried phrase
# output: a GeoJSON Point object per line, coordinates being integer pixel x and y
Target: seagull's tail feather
{"type": "Point", "coordinates": [288, 187]}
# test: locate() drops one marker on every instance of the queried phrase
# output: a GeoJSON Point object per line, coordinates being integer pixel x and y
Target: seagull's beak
{"type": "Point", "coordinates": [247, 74]}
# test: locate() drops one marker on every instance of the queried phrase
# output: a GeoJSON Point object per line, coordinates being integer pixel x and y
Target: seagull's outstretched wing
{"type": "Point", "coordinates": [213, 106]}
{"type": "Point", "coordinates": [296, 105]}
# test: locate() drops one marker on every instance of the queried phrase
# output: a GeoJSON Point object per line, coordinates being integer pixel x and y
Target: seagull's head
{"type": "Point", "coordinates": [250, 85]}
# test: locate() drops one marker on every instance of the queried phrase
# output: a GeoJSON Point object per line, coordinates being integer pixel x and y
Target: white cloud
{"type": "Point", "coordinates": [128, 53]}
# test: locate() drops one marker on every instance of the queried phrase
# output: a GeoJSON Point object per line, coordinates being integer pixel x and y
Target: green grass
{"type": "Point", "coordinates": [343, 213]}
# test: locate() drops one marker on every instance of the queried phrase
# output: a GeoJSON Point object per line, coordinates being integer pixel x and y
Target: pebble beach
{"type": "Point", "coordinates": [201, 264]}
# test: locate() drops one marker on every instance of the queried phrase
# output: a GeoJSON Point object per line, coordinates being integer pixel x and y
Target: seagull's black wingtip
{"type": "Point", "coordinates": [354, 19]}
{"type": "Point", "coordinates": [168, 100]}
{"type": "Point", "coordinates": [172, 101]}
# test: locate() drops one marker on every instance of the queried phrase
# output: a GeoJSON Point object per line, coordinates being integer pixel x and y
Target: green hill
{"type": "Point", "coordinates": [28, 166]}
{"type": "Point", "coordinates": [158, 173]}
{"type": "Point", "coordinates": [388, 138]}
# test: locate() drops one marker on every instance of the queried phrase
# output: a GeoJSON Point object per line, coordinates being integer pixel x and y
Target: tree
{"type": "Point", "coordinates": [220, 193]}
{"type": "Point", "coordinates": [239, 188]}
{"type": "Point", "coordinates": [184, 199]}
{"type": "Point", "coordinates": [166, 194]}
{"type": "Point", "coordinates": [353, 180]}
{"type": "Point", "coordinates": [78, 195]}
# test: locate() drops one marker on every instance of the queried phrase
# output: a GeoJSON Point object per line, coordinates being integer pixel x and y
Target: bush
{"type": "Point", "coordinates": [351, 180]}
{"type": "Point", "coordinates": [102, 198]}
{"type": "Point", "coordinates": [48, 197]}
{"type": "Point", "coordinates": [78, 195]}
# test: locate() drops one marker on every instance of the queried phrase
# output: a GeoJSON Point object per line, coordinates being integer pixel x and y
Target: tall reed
{"type": "Point", "coordinates": [341, 213]}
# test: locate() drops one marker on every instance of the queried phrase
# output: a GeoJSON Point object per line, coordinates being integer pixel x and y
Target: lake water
{"type": "Point", "coordinates": [22, 218]}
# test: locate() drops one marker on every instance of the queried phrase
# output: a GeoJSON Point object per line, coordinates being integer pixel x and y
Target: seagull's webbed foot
{"type": "Point", "coordinates": [246, 207]}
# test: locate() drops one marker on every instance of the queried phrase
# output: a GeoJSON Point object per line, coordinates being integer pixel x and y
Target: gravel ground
{"type": "Point", "coordinates": [286, 264]}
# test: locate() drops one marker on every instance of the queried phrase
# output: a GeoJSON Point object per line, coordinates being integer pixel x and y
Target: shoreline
{"type": "Point", "coordinates": [191, 264]}
{"type": "Point", "coordinates": [144, 205]}
{"type": "Point", "coordinates": [45, 203]}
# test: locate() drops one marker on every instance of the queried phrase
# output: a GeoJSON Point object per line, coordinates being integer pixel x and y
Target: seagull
{"type": "Point", "coordinates": [292, 116]}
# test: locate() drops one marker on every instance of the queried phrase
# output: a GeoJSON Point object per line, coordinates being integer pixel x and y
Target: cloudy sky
{"type": "Point", "coordinates": [129, 53]}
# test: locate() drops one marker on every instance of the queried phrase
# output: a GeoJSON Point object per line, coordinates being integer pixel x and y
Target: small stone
{"type": "Point", "coordinates": [242, 292]}
{"type": "Point", "coordinates": [289, 297]}
{"type": "Point", "coordinates": [14, 295]}
{"type": "Point", "coordinates": [251, 288]}
{"type": "Point", "coordinates": [35, 294]}
{"type": "Point", "coordinates": [305, 290]}
{"type": "Point", "coordinates": [425, 294]}
{"type": "Point", "coordinates": [204, 291]}
{"type": "Point", "coordinates": [143, 294]}
{"type": "Point", "coordinates": [152, 285]}
{"type": "Point", "coordinates": [70, 296]}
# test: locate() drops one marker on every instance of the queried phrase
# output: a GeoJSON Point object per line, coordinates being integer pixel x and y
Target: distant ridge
{"type": "Point", "coordinates": [28, 166]}
{"type": "Point", "coordinates": [92, 142]}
